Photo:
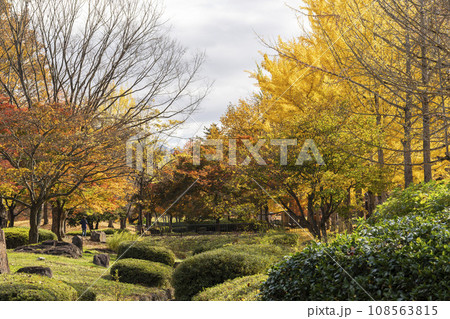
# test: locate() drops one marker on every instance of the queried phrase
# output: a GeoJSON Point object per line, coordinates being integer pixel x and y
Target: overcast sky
{"type": "Point", "coordinates": [226, 31]}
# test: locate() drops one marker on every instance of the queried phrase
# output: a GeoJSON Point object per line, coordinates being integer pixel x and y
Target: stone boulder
{"type": "Point", "coordinates": [98, 236]}
{"type": "Point", "coordinates": [52, 247]}
{"type": "Point", "coordinates": [4, 267]}
{"type": "Point", "coordinates": [38, 270]}
{"type": "Point", "coordinates": [78, 241]}
{"type": "Point", "coordinates": [102, 260]}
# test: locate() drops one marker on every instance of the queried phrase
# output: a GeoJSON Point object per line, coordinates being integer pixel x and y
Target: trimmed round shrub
{"type": "Point", "coordinates": [45, 234]}
{"type": "Point", "coordinates": [421, 198]}
{"type": "Point", "coordinates": [83, 294]}
{"type": "Point", "coordinates": [24, 287]}
{"type": "Point", "coordinates": [208, 245]}
{"type": "Point", "coordinates": [269, 254]}
{"type": "Point", "coordinates": [211, 268]}
{"type": "Point", "coordinates": [393, 258]}
{"type": "Point", "coordinates": [146, 251]}
{"type": "Point", "coordinates": [290, 240]}
{"type": "Point", "coordinates": [18, 236]}
{"type": "Point", "coordinates": [137, 271]}
{"type": "Point", "coordinates": [238, 289]}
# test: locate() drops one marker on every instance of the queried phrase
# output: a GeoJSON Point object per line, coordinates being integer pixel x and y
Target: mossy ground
{"type": "Point", "coordinates": [82, 273]}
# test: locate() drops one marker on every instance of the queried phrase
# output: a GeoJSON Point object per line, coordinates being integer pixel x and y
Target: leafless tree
{"type": "Point", "coordinates": [90, 54]}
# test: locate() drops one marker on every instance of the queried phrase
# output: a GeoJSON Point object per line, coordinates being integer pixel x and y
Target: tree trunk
{"type": "Point", "coordinates": [323, 228]}
{"type": "Point", "coordinates": [266, 214]}
{"type": "Point", "coordinates": [218, 225]}
{"type": "Point", "coordinates": [407, 126]}
{"type": "Point", "coordinates": [349, 217]}
{"type": "Point", "coordinates": [426, 136]}
{"type": "Point", "coordinates": [55, 218]}
{"type": "Point", "coordinates": [11, 215]}
{"type": "Point", "coordinates": [59, 216]}
{"type": "Point", "coordinates": [148, 220]}
{"type": "Point", "coordinates": [35, 211]}
{"type": "Point", "coordinates": [3, 215]}
{"type": "Point", "coordinates": [380, 154]}
{"type": "Point", "coordinates": [4, 267]}
{"type": "Point", "coordinates": [170, 223]}
{"type": "Point", "coordinates": [140, 218]}
{"type": "Point", "coordinates": [333, 221]}
{"type": "Point", "coordinates": [123, 223]}
{"type": "Point", "coordinates": [340, 224]}
{"type": "Point", "coordinates": [313, 218]}
{"type": "Point", "coordinates": [370, 203]}
{"type": "Point", "coordinates": [45, 214]}
{"type": "Point", "coordinates": [111, 223]}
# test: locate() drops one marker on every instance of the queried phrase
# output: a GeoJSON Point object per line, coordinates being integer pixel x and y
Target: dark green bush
{"type": "Point", "coordinates": [145, 250]}
{"type": "Point", "coordinates": [107, 231]}
{"type": "Point", "coordinates": [392, 258]}
{"type": "Point", "coordinates": [83, 292]}
{"type": "Point", "coordinates": [210, 244]}
{"type": "Point", "coordinates": [238, 289]}
{"type": "Point", "coordinates": [137, 271]}
{"type": "Point", "coordinates": [24, 287]}
{"type": "Point", "coordinates": [18, 236]}
{"type": "Point", "coordinates": [286, 239]}
{"type": "Point", "coordinates": [269, 254]}
{"type": "Point", "coordinates": [45, 234]}
{"type": "Point", "coordinates": [421, 198]}
{"type": "Point", "coordinates": [211, 268]}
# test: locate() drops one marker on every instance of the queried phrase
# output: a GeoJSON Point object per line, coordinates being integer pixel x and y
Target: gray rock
{"type": "Point", "coordinates": [4, 267]}
{"type": "Point", "coordinates": [52, 247]}
{"type": "Point", "coordinates": [41, 258]}
{"type": "Point", "coordinates": [78, 241]}
{"type": "Point", "coordinates": [102, 260]}
{"type": "Point", "coordinates": [38, 270]}
{"type": "Point", "coordinates": [98, 236]}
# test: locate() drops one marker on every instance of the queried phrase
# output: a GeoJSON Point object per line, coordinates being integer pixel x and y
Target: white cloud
{"type": "Point", "coordinates": [227, 32]}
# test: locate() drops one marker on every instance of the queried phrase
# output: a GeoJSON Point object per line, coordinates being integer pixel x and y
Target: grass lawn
{"type": "Point", "coordinates": [81, 274]}
{"type": "Point", "coordinates": [187, 245]}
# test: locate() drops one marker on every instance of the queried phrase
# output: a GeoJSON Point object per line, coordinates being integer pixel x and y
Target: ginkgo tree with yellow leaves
{"type": "Point", "coordinates": [391, 58]}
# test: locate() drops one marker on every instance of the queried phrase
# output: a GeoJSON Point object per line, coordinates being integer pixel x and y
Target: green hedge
{"type": "Point", "coordinates": [18, 236]}
{"type": "Point", "coordinates": [136, 271]}
{"type": "Point", "coordinates": [270, 254]}
{"type": "Point", "coordinates": [24, 287]}
{"type": "Point", "coordinates": [426, 198]}
{"type": "Point", "coordinates": [83, 292]}
{"type": "Point", "coordinates": [281, 239]}
{"type": "Point", "coordinates": [146, 251]}
{"type": "Point", "coordinates": [287, 239]}
{"type": "Point", "coordinates": [392, 258]}
{"type": "Point", "coordinates": [211, 268]}
{"type": "Point", "coordinates": [107, 231]}
{"type": "Point", "coordinates": [238, 289]}
{"type": "Point", "coordinates": [209, 244]}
